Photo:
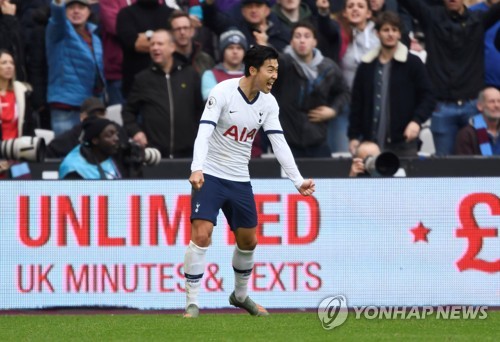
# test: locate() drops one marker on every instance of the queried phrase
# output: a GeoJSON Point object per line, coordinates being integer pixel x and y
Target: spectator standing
{"type": "Point", "coordinates": [310, 90]}
{"type": "Point", "coordinates": [167, 96]}
{"type": "Point", "coordinates": [11, 37]}
{"type": "Point", "coordinates": [358, 32]}
{"type": "Point", "coordinates": [454, 40]}
{"type": "Point", "coordinates": [188, 51]}
{"type": "Point", "coordinates": [16, 117]}
{"type": "Point", "coordinates": [252, 17]}
{"type": "Point", "coordinates": [74, 57]}
{"type": "Point", "coordinates": [491, 52]}
{"type": "Point", "coordinates": [391, 95]}
{"type": "Point", "coordinates": [135, 25]}
{"type": "Point", "coordinates": [113, 55]}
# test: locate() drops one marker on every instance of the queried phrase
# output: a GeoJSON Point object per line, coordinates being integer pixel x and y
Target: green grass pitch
{"type": "Point", "coordinates": [240, 327]}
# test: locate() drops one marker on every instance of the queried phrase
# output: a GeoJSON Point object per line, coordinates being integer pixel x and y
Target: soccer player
{"type": "Point", "coordinates": [234, 112]}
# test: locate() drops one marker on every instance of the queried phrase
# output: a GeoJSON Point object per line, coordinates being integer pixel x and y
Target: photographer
{"type": "Point", "coordinates": [364, 150]}
{"type": "Point", "coordinates": [369, 161]}
{"type": "Point", "coordinates": [94, 158]}
{"type": "Point", "coordinates": [105, 153]}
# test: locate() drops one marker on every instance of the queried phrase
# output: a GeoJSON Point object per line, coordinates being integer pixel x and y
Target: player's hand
{"type": "Point", "coordinates": [412, 131]}
{"type": "Point", "coordinates": [196, 179]}
{"type": "Point", "coordinates": [357, 167]}
{"type": "Point", "coordinates": [307, 188]}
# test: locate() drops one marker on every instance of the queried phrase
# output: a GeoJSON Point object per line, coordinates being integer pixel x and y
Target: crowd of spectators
{"type": "Point", "coordinates": [158, 60]}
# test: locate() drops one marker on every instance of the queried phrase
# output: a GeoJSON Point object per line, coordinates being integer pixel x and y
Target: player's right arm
{"type": "Point", "coordinates": [208, 122]}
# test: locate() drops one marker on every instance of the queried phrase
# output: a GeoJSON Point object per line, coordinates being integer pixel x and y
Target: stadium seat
{"type": "Point", "coordinates": [427, 149]}
{"type": "Point", "coordinates": [114, 113]}
{"type": "Point", "coordinates": [46, 134]}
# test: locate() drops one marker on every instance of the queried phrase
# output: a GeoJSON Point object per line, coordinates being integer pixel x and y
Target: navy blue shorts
{"type": "Point", "coordinates": [234, 198]}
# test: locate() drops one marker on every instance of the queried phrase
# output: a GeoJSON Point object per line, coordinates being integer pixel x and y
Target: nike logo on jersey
{"type": "Point", "coordinates": [232, 111]}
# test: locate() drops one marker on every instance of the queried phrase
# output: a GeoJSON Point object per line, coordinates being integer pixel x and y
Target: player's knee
{"type": "Point", "coordinates": [202, 240]}
{"type": "Point", "coordinates": [247, 244]}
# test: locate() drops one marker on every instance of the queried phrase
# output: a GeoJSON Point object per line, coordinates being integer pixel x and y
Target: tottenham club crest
{"type": "Point", "coordinates": [211, 102]}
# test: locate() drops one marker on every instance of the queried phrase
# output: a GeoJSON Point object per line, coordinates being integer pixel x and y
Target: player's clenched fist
{"type": "Point", "coordinates": [307, 188]}
{"type": "Point", "coordinates": [196, 179]}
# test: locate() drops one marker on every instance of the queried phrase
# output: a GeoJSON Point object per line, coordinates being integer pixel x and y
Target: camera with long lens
{"type": "Point", "coordinates": [134, 154]}
{"type": "Point", "coordinates": [385, 164]}
{"type": "Point", "coordinates": [30, 149]}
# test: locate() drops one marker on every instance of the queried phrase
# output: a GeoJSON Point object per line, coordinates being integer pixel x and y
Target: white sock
{"type": "Point", "coordinates": [242, 266]}
{"type": "Point", "coordinates": [194, 266]}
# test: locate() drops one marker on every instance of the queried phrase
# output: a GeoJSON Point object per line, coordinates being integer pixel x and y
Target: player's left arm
{"type": "Point", "coordinates": [272, 128]}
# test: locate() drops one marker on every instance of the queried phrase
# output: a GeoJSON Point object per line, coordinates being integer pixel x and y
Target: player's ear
{"type": "Point", "coordinates": [253, 70]}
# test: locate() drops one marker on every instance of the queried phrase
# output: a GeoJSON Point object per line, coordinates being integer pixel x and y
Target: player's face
{"type": "Point", "coordinates": [303, 42]}
{"type": "Point", "coordinates": [233, 55]}
{"type": "Point", "coordinates": [7, 67]}
{"type": "Point", "coordinates": [357, 12]}
{"type": "Point", "coordinates": [267, 75]}
{"type": "Point", "coordinates": [389, 36]}
{"type": "Point", "coordinates": [161, 48]}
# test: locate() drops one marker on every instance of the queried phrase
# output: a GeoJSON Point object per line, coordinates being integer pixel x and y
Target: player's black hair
{"type": "Point", "coordinates": [257, 55]}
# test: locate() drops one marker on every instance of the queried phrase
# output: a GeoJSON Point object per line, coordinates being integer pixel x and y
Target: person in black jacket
{"type": "Point", "coordinates": [310, 91]}
{"type": "Point", "coordinates": [391, 95]}
{"type": "Point", "coordinates": [252, 17]}
{"type": "Point", "coordinates": [168, 99]}
{"type": "Point", "coordinates": [454, 40]}
{"type": "Point", "coordinates": [11, 37]}
{"type": "Point", "coordinates": [134, 26]}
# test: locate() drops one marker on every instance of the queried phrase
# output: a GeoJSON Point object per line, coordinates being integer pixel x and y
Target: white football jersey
{"type": "Point", "coordinates": [236, 122]}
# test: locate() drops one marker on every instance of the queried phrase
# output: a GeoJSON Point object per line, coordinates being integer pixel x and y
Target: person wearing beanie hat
{"type": "Point", "coordinates": [232, 46]}
{"type": "Point", "coordinates": [93, 159]}
{"type": "Point", "coordinates": [92, 129]}
{"type": "Point", "coordinates": [232, 36]}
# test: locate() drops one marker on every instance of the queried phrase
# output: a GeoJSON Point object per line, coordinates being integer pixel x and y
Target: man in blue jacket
{"type": "Point", "coordinates": [74, 57]}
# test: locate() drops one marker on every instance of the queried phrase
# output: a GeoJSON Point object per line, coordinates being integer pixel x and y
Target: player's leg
{"type": "Point", "coordinates": [205, 206]}
{"type": "Point", "coordinates": [241, 214]}
{"type": "Point", "coordinates": [246, 241]}
{"type": "Point", "coordinates": [194, 263]}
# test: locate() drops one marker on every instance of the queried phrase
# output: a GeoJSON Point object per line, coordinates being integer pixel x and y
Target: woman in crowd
{"type": "Point", "coordinates": [358, 35]}
{"type": "Point", "coordinates": [15, 110]}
